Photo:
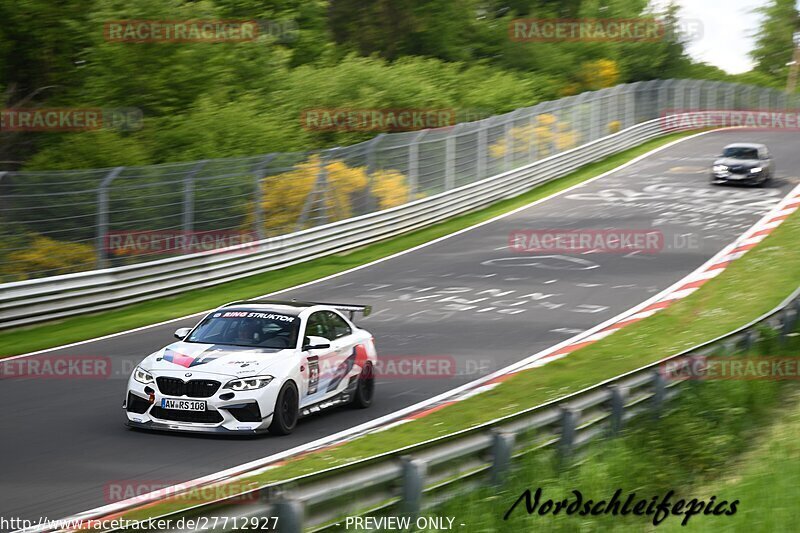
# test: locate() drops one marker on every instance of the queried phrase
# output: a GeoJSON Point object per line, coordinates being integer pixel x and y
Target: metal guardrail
{"type": "Point", "coordinates": [412, 479]}
{"type": "Point", "coordinates": [55, 297]}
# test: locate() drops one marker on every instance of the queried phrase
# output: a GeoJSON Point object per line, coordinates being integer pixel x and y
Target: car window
{"type": "Point", "coordinates": [740, 152]}
{"type": "Point", "coordinates": [247, 327]}
{"type": "Point", "coordinates": [337, 325]}
{"type": "Point", "coordinates": [318, 327]}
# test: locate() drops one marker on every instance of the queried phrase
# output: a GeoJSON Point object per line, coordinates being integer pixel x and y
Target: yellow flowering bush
{"type": "Point", "coordinates": [50, 257]}
{"type": "Point", "coordinates": [284, 195]}
{"type": "Point", "coordinates": [546, 132]}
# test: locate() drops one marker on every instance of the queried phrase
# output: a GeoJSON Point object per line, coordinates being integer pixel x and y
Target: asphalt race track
{"type": "Point", "coordinates": [467, 300]}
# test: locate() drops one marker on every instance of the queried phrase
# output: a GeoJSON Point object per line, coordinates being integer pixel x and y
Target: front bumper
{"type": "Point", "coordinates": [248, 412]}
{"type": "Point", "coordinates": [731, 177]}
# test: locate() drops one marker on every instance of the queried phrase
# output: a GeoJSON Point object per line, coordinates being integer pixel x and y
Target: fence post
{"type": "Point", "coordinates": [730, 97]}
{"type": "Point", "coordinates": [289, 514]}
{"type": "Point", "coordinates": [502, 448]}
{"type": "Point", "coordinates": [258, 209]}
{"type": "Point", "coordinates": [450, 159]}
{"type": "Point", "coordinates": [319, 190]}
{"type": "Point", "coordinates": [413, 484]}
{"type": "Point", "coordinates": [102, 217]}
{"type": "Point", "coordinates": [594, 118]}
{"type": "Point", "coordinates": [371, 168]}
{"type": "Point", "coordinates": [483, 148]}
{"type": "Point", "coordinates": [188, 195]}
{"type": "Point", "coordinates": [413, 165]}
{"type": "Point", "coordinates": [630, 106]}
{"type": "Point", "coordinates": [619, 395]}
{"type": "Point", "coordinates": [508, 158]}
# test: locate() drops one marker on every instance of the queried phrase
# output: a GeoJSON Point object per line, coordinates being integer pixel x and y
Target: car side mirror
{"type": "Point", "coordinates": [315, 343]}
{"type": "Point", "coordinates": [181, 333]}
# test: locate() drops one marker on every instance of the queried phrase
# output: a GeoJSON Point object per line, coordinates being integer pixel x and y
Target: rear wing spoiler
{"type": "Point", "coordinates": [351, 309]}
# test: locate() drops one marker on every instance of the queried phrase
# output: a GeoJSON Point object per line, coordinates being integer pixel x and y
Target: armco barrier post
{"type": "Point", "coordinates": [659, 393]}
{"type": "Point", "coordinates": [102, 217]}
{"type": "Point", "coordinates": [749, 339]}
{"type": "Point", "coordinates": [569, 421]}
{"type": "Point", "coordinates": [619, 396]}
{"type": "Point", "coordinates": [414, 472]}
{"type": "Point", "coordinates": [788, 320]}
{"type": "Point", "coordinates": [502, 448]}
{"type": "Point", "coordinates": [289, 514]}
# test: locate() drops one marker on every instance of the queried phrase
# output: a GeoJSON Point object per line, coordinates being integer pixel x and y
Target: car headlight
{"type": "Point", "coordinates": [142, 376]}
{"type": "Point", "coordinates": [755, 170]}
{"type": "Point", "coordinates": [720, 168]}
{"type": "Point", "coordinates": [256, 382]}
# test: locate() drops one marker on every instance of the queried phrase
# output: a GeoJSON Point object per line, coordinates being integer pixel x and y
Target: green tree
{"type": "Point", "coordinates": [774, 45]}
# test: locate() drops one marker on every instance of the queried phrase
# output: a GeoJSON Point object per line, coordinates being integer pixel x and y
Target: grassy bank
{"type": "Point", "coordinates": [22, 340]}
{"type": "Point", "coordinates": [735, 441]}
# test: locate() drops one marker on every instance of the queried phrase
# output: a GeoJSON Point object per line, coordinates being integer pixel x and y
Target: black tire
{"type": "Point", "coordinates": [284, 418]}
{"type": "Point", "coordinates": [365, 388]}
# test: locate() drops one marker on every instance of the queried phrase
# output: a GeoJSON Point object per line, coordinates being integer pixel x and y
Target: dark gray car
{"type": "Point", "coordinates": [746, 163]}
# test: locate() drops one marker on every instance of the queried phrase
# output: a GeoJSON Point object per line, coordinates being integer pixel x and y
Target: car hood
{"type": "Point", "coordinates": [233, 361]}
{"type": "Point", "coordinates": [730, 162]}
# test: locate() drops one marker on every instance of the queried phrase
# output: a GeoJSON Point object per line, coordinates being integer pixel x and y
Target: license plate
{"type": "Point", "coordinates": [183, 405]}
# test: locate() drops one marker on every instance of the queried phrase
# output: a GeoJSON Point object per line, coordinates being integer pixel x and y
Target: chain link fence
{"type": "Point", "coordinates": [60, 222]}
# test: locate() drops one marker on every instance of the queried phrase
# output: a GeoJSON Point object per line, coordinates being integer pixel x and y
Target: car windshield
{"type": "Point", "coordinates": [739, 152]}
{"type": "Point", "coordinates": [261, 329]}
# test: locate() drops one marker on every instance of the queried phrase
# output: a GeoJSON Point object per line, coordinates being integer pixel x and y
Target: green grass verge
{"type": "Point", "coordinates": [765, 478]}
{"type": "Point", "coordinates": [731, 440]}
{"type": "Point", "coordinates": [751, 286]}
{"type": "Point", "coordinates": [38, 337]}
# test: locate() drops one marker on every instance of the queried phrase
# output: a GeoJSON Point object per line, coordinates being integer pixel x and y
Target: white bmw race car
{"type": "Point", "coordinates": [255, 366]}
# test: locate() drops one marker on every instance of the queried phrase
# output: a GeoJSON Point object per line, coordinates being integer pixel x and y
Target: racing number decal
{"type": "Point", "coordinates": [313, 374]}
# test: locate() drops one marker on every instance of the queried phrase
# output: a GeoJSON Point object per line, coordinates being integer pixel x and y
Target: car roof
{"type": "Point", "coordinates": [756, 146]}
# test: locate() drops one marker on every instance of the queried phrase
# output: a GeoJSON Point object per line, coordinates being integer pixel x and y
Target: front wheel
{"type": "Point", "coordinates": [284, 419]}
{"type": "Point", "coordinates": [365, 388]}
